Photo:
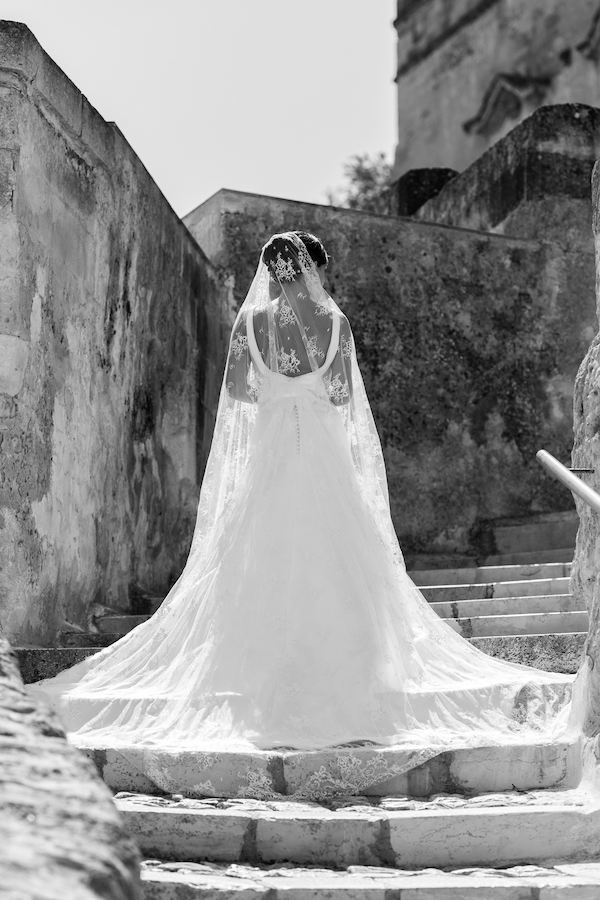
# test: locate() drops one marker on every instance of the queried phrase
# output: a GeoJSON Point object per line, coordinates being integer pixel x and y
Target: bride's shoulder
{"type": "Point", "coordinates": [343, 320]}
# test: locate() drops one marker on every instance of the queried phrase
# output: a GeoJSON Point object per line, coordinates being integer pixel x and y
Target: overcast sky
{"type": "Point", "coordinates": [268, 96]}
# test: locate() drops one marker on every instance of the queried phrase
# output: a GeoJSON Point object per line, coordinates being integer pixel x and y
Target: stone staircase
{"type": "Point", "coordinates": [492, 823]}
{"type": "Point", "coordinates": [522, 612]}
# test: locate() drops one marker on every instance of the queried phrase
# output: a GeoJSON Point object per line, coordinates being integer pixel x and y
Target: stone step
{"type": "Point", "coordinates": [565, 554]}
{"type": "Point", "coordinates": [453, 592]}
{"type": "Point", "coordinates": [86, 639]}
{"type": "Point", "coordinates": [527, 623]}
{"type": "Point", "coordinates": [489, 574]}
{"type": "Point", "coordinates": [505, 606]}
{"type": "Point", "coordinates": [224, 881]}
{"type": "Point", "coordinates": [525, 765]}
{"type": "Point", "coordinates": [448, 832]}
{"type": "Point", "coordinates": [119, 624]}
{"type": "Point", "coordinates": [36, 663]}
{"type": "Point", "coordinates": [550, 652]}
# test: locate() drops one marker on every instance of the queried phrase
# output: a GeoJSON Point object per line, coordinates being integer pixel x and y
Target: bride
{"type": "Point", "coordinates": [294, 625]}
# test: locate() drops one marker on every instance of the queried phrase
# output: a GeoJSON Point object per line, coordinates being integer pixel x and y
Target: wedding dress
{"type": "Point", "coordinates": [294, 623]}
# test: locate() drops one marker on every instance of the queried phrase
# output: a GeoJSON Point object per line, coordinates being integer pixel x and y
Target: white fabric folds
{"type": "Point", "coordinates": [294, 623]}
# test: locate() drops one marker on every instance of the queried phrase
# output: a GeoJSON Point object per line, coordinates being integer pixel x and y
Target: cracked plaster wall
{"type": "Point", "coordinates": [110, 344]}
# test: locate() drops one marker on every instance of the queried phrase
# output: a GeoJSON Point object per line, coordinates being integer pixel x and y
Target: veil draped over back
{"type": "Point", "coordinates": [292, 315]}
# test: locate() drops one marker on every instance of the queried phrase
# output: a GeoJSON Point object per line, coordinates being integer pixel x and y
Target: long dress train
{"type": "Point", "coordinates": [297, 627]}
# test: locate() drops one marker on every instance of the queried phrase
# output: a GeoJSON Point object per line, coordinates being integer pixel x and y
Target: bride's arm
{"type": "Point", "coordinates": [340, 383]}
{"type": "Point", "coordinates": [238, 365]}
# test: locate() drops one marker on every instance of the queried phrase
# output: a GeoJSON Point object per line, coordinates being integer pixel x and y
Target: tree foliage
{"type": "Point", "coordinates": [366, 179]}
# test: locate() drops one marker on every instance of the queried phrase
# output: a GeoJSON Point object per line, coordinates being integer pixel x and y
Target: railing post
{"type": "Point", "coordinates": [571, 481]}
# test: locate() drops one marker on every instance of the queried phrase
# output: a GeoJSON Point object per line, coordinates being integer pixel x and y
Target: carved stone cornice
{"type": "Point", "coordinates": [504, 99]}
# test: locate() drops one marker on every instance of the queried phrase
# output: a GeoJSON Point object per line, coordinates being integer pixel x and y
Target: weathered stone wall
{"type": "Point", "coordinates": [585, 580]}
{"type": "Point", "coordinates": [470, 70]}
{"type": "Point", "coordinates": [60, 833]}
{"type": "Point", "coordinates": [469, 344]}
{"type": "Point", "coordinates": [533, 183]}
{"type": "Point", "coordinates": [110, 349]}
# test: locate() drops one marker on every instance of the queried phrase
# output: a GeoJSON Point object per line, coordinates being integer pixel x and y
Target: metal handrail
{"type": "Point", "coordinates": [569, 479]}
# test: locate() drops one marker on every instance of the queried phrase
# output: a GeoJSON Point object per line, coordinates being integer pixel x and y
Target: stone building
{"type": "Point", "coordinates": [113, 325]}
{"type": "Point", "coordinates": [470, 70]}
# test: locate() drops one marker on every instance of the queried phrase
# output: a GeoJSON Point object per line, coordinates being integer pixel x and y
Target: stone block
{"type": "Point", "coordinates": [320, 837]}
{"type": "Point", "coordinates": [179, 833]}
{"type": "Point", "coordinates": [521, 623]}
{"type": "Point", "coordinates": [119, 772]}
{"type": "Point", "coordinates": [192, 773]}
{"type": "Point", "coordinates": [37, 663]}
{"type": "Point", "coordinates": [497, 837]}
{"type": "Point", "coordinates": [486, 769]}
{"type": "Point", "coordinates": [60, 834]}
{"type": "Point", "coordinates": [550, 652]}
{"type": "Point", "coordinates": [409, 192]}
{"type": "Point", "coordinates": [533, 183]}
{"type": "Point", "coordinates": [14, 353]}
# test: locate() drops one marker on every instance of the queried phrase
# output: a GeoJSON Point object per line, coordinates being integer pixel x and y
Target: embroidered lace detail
{"type": "Point", "coordinates": [239, 345]}
{"type": "Point", "coordinates": [286, 315]}
{"type": "Point", "coordinates": [254, 390]}
{"type": "Point", "coordinates": [283, 269]}
{"type": "Point", "coordinates": [337, 390]}
{"type": "Point", "coordinates": [347, 348]}
{"type": "Point", "coordinates": [288, 362]}
{"type": "Point", "coordinates": [312, 349]}
{"type": "Point", "coordinates": [354, 774]}
{"type": "Point", "coordinates": [322, 309]}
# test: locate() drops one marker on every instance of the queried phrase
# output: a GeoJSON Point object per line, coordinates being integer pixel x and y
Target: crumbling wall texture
{"type": "Point", "coordinates": [469, 344]}
{"type": "Point", "coordinates": [585, 579]}
{"type": "Point", "coordinates": [110, 348]}
{"type": "Point", "coordinates": [60, 833]}
{"type": "Point", "coordinates": [534, 182]}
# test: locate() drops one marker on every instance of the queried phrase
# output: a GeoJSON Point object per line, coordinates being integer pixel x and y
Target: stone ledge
{"type": "Point", "coordinates": [37, 663]}
{"type": "Point", "coordinates": [550, 652]}
{"type": "Point", "coordinates": [546, 158]}
{"type": "Point", "coordinates": [565, 827]}
{"type": "Point", "coordinates": [201, 881]}
{"type": "Point", "coordinates": [60, 835]}
{"type": "Point", "coordinates": [281, 775]}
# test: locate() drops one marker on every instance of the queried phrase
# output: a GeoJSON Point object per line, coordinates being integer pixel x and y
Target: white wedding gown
{"type": "Point", "coordinates": [300, 628]}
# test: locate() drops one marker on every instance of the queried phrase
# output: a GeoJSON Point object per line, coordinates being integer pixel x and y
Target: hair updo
{"type": "Point", "coordinates": [280, 255]}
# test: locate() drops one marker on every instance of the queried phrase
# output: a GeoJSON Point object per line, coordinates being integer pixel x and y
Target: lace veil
{"type": "Point", "coordinates": [293, 323]}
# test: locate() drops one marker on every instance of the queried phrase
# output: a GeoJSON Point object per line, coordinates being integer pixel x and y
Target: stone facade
{"type": "Point", "coordinates": [60, 833]}
{"type": "Point", "coordinates": [470, 70]}
{"type": "Point", "coordinates": [110, 358]}
{"type": "Point", "coordinates": [469, 344]}
{"type": "Point", "coordinates": [585, 580]}
{"type": "Point", "coordinates": [534, 183]}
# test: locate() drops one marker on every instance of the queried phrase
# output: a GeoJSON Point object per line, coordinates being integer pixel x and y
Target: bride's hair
{"type": "Point", "coordinates": [281, 256]}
